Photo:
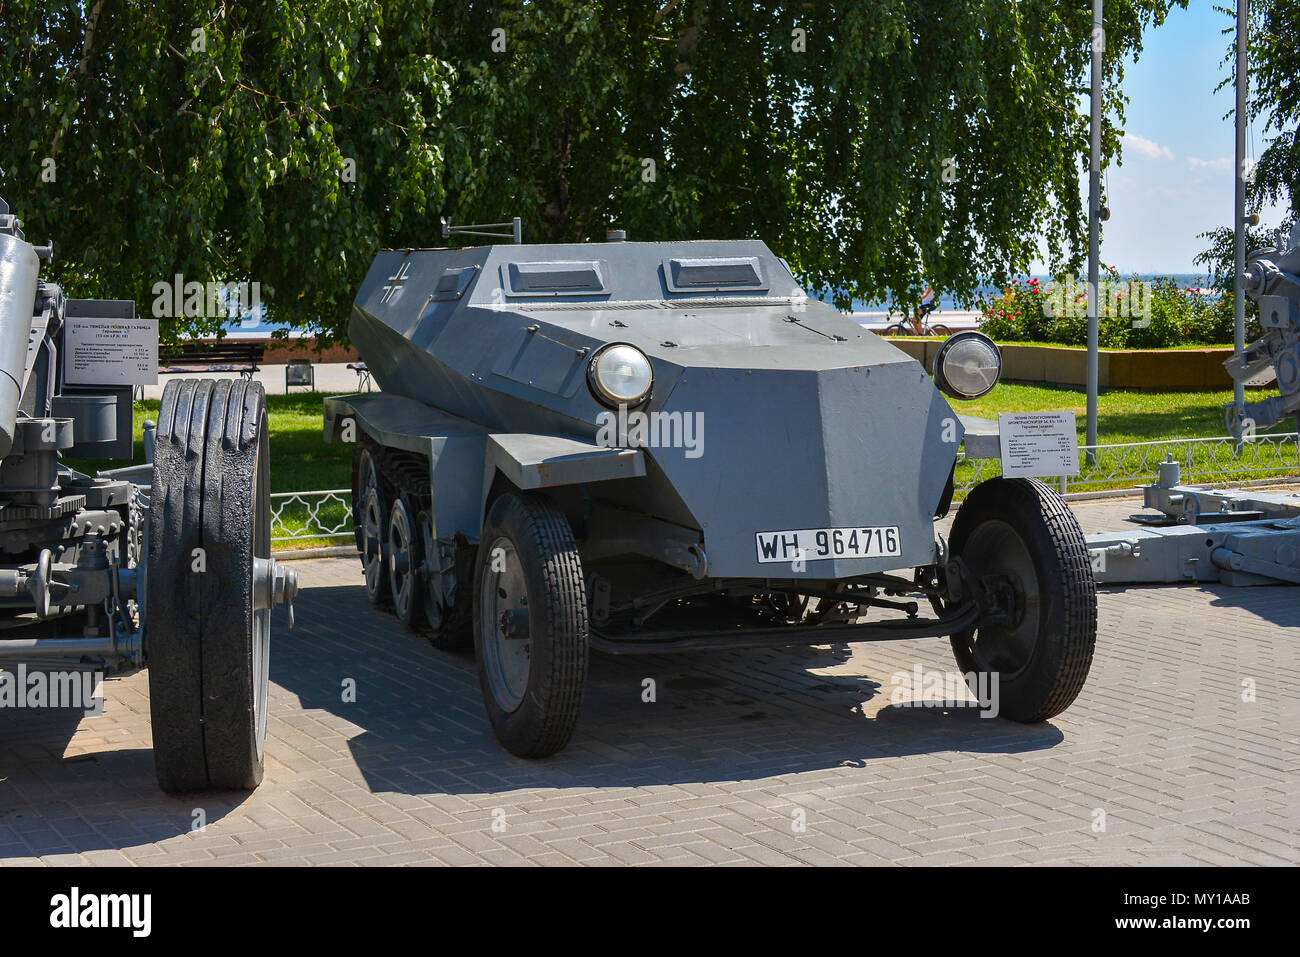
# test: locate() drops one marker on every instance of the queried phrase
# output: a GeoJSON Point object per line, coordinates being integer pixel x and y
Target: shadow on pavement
{"type": "Point", "coordinates": [739, 715]}
{"type": "Point", "coordinates": [52, 803]}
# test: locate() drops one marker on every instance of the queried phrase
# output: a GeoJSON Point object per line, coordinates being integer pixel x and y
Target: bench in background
{"type": "Point", "coordinates": [226, 356]}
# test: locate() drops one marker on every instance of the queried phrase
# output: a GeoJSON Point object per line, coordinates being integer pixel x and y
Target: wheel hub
{"type": "Point", "coordinates": [504, 618]}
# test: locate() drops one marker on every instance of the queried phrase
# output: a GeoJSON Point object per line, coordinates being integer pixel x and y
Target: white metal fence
{"type": "Point", "coordinates": [326, 514]}
{"type": "Point", "coordinates": [1220, 458]}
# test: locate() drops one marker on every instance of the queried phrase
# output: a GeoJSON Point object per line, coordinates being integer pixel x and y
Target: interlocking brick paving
{"type": "Point", "coordinates": [737, 749]}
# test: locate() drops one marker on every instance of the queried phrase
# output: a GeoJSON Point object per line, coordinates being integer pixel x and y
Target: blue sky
{"type": "Point", "coordinates": [1176, 180]}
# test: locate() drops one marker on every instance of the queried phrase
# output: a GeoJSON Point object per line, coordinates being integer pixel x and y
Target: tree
{"type": "Point", "coordinates": [1275, 95]}
{"type": "Point", "coordinates": [876, 146]}
{"type": "Point", "coordinates": [277, 143]}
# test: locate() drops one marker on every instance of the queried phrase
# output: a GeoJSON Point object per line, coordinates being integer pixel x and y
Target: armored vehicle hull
{"type": "Point", "coordinates": [713, 459]}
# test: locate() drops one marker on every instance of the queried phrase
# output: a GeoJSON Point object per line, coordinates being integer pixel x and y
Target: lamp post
{"type": "Point", "coordinates": [1239, 208]}
{"type": "Point", "coordinates": [1094, 226]}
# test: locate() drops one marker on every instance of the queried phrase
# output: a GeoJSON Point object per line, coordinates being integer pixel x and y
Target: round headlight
{"type": "Point", "coordinates": [967, 365]}
{"type": "Point", "coordinates": [620, 374]}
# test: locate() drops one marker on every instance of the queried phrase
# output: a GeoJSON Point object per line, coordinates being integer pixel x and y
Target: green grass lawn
{"type": "Point", "coordinates": [302, 461]}
{"type": "Point", "coordinates": [1127, 416]}
{"type": "Point", "coordinates": [300, 458]}
{"type": "Point", "coordinates": [1122, 415]}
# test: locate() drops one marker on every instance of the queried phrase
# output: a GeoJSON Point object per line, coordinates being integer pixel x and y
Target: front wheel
{"type": "Point", "coordinates": [530, 625]}
{"type": "Point", "coordinates": [1020, 539]}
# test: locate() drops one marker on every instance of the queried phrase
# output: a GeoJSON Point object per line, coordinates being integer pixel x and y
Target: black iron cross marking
{"type": "Point", "coordinates": [395, 281]}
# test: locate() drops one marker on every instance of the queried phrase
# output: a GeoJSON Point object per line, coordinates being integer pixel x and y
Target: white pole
{"type": "Point", "coordinates": [1094, 229]}
{"type": "Point", "coordinates": [1239, 205]}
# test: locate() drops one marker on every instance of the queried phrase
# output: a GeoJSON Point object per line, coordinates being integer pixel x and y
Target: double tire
{"type": "Point", "coordinates": [1022, 541]}
{"type": "Point", "coordinates": [393, 524]}
{"type": "Point", "coordinates": [207, 646]}
{"type": "Point", "coordinates": [522, 602]}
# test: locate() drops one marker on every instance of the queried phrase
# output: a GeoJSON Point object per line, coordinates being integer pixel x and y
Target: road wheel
{"type": "Point", "coordinates": [448, 627]}
{"type": "Point", "coordinates": [938, 329]}
{"type": "Point", "coordinates": [530, 625]}
{"type": "Point", "coordinates": [370, 517]}
{"type": "Point", "coordinates": [404, 554]}
{"type": "Point", "coordinates": [209, 622]}
{"type": "Point", "coordinates": [1023, 542]}
{"type": "Point", "coordinates": [897, 329]}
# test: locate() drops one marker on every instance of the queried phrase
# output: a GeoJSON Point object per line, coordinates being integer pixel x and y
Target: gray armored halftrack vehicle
{"type": "Point", "coordinates": [166, 565]}
{"type": "Point", "coordinates": [652, 447]}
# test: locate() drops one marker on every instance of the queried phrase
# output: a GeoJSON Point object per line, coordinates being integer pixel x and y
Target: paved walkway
{"type": "Point", "coordinates": [769, 756]}
{"type": "Point", "coordinates": [332, 378]}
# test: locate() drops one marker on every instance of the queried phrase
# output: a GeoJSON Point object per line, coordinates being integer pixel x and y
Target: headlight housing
{"type": "Point", "coordinates": [620, 374]}
{"type": "Point", "coordinates": [967, 366]}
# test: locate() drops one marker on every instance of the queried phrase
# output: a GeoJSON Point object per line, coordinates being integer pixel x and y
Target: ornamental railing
{"type": "Point", "coordinates": [1217, 459]}
{"type": "Point", "coordinates": [311, 517]}
{"type": "Point", "coordinates": [319, 516]}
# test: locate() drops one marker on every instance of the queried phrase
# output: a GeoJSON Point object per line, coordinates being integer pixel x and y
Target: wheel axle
{"type": "Point", "coordinates": [273, 584]}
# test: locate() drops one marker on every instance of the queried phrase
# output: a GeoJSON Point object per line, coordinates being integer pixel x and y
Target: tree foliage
{"type": "Point", "coordinates": [1274, 51]}
{"type": "Point", "coordinates": [876, 145]}
{"type": "Point", "coordinates": [212, 140]}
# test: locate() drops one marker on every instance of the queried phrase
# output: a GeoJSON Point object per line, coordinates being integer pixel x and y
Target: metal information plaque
{"type": "Point", "coordinates": [110, 351]}
{"type": "Point", "coordinates": [1035, 444]}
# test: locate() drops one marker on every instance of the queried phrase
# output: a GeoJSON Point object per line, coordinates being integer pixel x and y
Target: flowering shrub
{"type": "Point", "coordinates": [1152, 315]}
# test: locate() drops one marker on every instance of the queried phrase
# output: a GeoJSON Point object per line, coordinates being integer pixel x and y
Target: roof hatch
{"type": "Point", "coordinates": [732, 274]}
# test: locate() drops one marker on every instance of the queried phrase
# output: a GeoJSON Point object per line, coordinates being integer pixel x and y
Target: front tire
{"type": "Point", "coordinates": [1021, 539]}
{"type": "Point", "coordinates": [530, 625]}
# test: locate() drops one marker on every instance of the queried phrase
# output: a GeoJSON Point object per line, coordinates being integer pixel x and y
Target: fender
{"type": "Point", "coordinates": [464, 457]}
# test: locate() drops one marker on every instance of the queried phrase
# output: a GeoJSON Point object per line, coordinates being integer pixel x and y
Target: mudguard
{"type": "Point", "coordinates": [465, 458]}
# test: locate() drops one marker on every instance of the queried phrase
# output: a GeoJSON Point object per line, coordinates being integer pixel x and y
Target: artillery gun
{"type": "Point", "coordinates": [1272, 280]}
{"type": "Point", "coordinates": [165, 565]}
{"type": "Point", "coordinates": [1233, 536]}
{"type": "Point", "coordinates": [642, 448]}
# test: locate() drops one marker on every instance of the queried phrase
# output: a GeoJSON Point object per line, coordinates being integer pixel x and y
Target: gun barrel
{"type": "Point", "coordinates": [19, 269]}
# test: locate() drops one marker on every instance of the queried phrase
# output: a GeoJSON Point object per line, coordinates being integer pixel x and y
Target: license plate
{"type": "Point", "coordinates": [815, 544]}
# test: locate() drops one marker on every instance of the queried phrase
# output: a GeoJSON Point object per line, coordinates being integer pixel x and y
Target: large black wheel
{"type": "Point", "coordinates": [530, 625]}
{"type": "Point", "coordinates": [370, 518]}
{"type": "Point", "coordinates": [1024, 544]}
{"type": "Point", "coordinates": [207, 641]}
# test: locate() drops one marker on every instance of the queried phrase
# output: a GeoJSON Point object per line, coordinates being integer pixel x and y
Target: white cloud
{"type": "Point", "coordinates": [1147, 148]}
{"type": "Point", "coordinates": [1221, 165]}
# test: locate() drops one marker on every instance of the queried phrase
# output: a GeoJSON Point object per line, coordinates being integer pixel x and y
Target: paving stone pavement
{"type": "Point", "coordinates": [738, 751]}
